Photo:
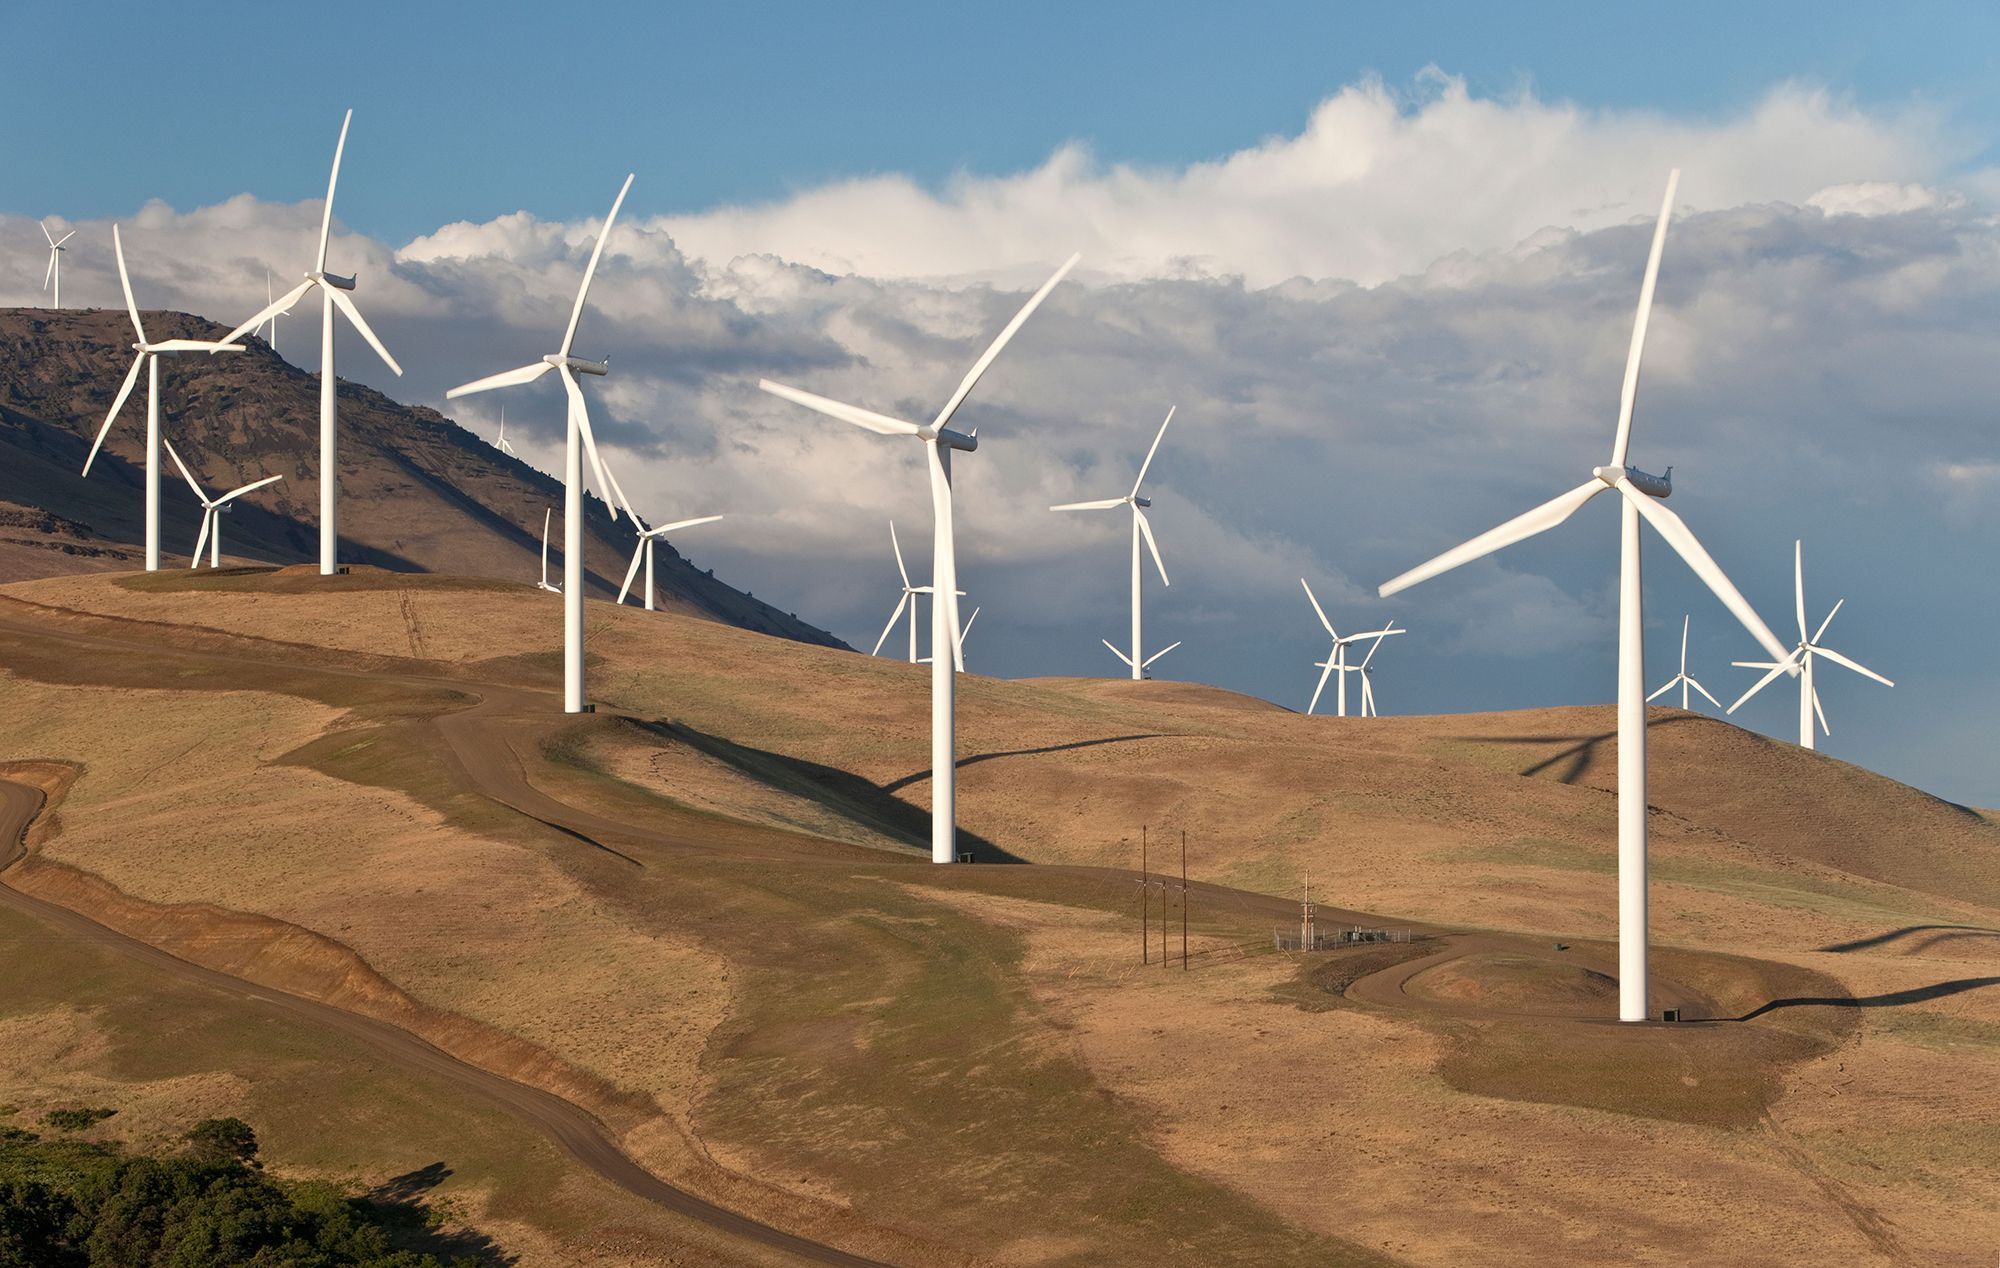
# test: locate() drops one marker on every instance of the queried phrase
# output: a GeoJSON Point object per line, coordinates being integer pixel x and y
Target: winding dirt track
{"type": "Point", "coordinates": [582, 1136]}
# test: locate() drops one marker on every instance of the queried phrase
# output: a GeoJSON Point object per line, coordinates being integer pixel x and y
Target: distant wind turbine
{"type": "Point", "coordinates": [544, 583]}
{"type": "Point", "coordinates": [938, 441]}
{"type": "Point", "coordinates": [644, 551]}
{"type": "Point", "coordinates": [501, 443]}
{"type": "Point", "coordinates": [1138, 661]}
{"type": "Point", "coordinates": [1336, 658]}
{"type": "Point", "coordinates": [271, 337]}
{"type": "Point", "coordinates": [1683, 679]}
{"type": "Point", "coordinates": [581, 443]}
{"type": "Point", "coordinates": [958, 652]}
{"type": "Point", "coordinates": [54, 275]}
{"type": "Point", "coordinates": [908, 599]}
{"type": "Point", "coordinates": [149, 359]}
{"type": "Point", "coordinates": [1801, 658]}
{"type": "Point", "coordinates": [1366, 671]}
{"type": "Point", "coordinates": [1639, 494]}
{"type": "Point", "coordinates": [333, 294]}
{"type": "Point", "coordinates": [212, 510]}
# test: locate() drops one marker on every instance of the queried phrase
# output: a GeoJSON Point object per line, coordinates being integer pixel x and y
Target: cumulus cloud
{"type": "Point", "coordinates": [1383, 335]}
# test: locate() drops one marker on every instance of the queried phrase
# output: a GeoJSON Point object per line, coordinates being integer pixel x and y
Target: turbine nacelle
{"type": "Point", "coordinates": [334, 280]}
{"type": "Point", "coordinates": [950, 439]}
{"type": "Point", "coordinates": [1659, 486]}
{"type": "Point", "coordinates": [578, 365]}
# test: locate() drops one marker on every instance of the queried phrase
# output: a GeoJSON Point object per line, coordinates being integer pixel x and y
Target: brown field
{"type": "Point", "coordinates": [703, 915]}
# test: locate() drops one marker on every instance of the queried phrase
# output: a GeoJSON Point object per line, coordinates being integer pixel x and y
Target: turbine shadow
{"type": "Point", "coordinates": [1578, 755]}
{"type": "Point", "coordinates": [1942, 933]}
{"type": "Point", "coordinates": [977, 758]}
{"type": "Point", "coordinates": [1893, 999]}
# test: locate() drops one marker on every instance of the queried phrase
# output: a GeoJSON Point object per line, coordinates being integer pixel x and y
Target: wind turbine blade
{"type": "Point", "coordinates": [638, 554]}
{"type": "Point", "coordinates": [270, 310]}
{"type": "Point", "coordinates": [1686, 620]}
{"type": "Point", "coordinates": [248, 488]}
{"type": "Point", "coordinates": [1144, 466]}
{"type": "Point", "coordinates": [1670, 685]}
{"type": "Point", "coordinates": [888, 629]}
{"type": "Point", "coordinates": [1704, 693]}
{"type": "Point", "coordinates": [124, 390]}
{"type": "Point", "coordinates": [582, 415]}
{"type": "Point", "coordinates": [1146, 531]}
{"type": "Point", "coordinates": [942, 522]}
{"type": "Point", "coordinates": [1799, 586]}
{"type": "Point", "coordinates": [1368, 695]}
{"type": "Point", "coordinates": [1828, 621]}
{"type": "Point", "coordinates": [968, 629]}
{"type": "Point", "coordinates": [1103, 504]}
{"type": "Point", "coordinates": [125, 280]}
{"type": "Point", "coordinates": [51, 271]}
{"type": "Point", "coordinates": [207, 520]}
{"type": "Point", "coordinates": [618, 492]}
{"type": "Point", "coordinates": [664, 529]}
{"type": "Point", "coordinates": [65, 238]}
{"type": "Point", "coordinates": [1683, 541]}
{"type": "Point", "coordinates": [1541, 519]}
{"type": "Point", "coordinates": [187, 475]}
{"type": "Point", "coordinates": [1148, 662]}
{"type": "Point", "coordinates": [506, 378]}
{"type": "Point", "coordinates": [326, 214]}
{"type": "Point", "coordinates": [1856, 666]}
{"type": "Point", "coordinates": [1326, 672]}
{"type": "Point", "coordinates": [194, 345]}
{"type": "Point", "coordinates": [958, 641]}
{"type": "Point", "coordinates": [346, 305]}
{"type": "Point", "coordinates": [1115, 652]}
{"type": "Point", "coordinates": [50, 236]}
{"type": "Point", "coordinates": [1311, 598]}
{"type": "Point", "coordinates": [1784, 664]}
{"type": "Point", "coordinates": [1375, 647]}
{"type": "Point", "coordinates": [590, 270]}
{"type": "Point", "coordinates": [867, 418]}
{"type": "Point", "coordinates": [993, 350]}
{"type": "Point", "coordinates": [1823, 727]}
{"type": "Point", "coordinates": [897, 546]}
{"type": "Point", "coordinates": [546, 513]}
{"type": "Point", "coordinates": [1629, 393]}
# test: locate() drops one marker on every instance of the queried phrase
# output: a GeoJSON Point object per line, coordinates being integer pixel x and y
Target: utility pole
{"type": "Point", "coordinates": [1145, 904]}
{"type": "Point", "coordinates": [1184, 901]}
{"type": "Point", "coordinates": [1306, 915]}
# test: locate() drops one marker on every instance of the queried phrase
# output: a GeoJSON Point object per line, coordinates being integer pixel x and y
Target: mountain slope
{"type": "Point", "coordinates": [417, 492]}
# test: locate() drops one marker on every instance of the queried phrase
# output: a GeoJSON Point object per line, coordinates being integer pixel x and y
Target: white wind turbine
{"type": "Point", "coordinates": [907, 600]}
{"type": "Point", "coordinates": [938, 441]}
{"type": "Point", "coordinates": [149, 359]}
{"type": "Point", "coordinates": [644, 550]}
{"type": "Point", "coordinates": [501, 442]}
{"type": "Point", "coordinates": [1137, 662]}
{"type": "Point", "coordinates": [1367, 673]}
{"type": "Point", "coordinates": [333, 294]}
{"type": "Point", "coordinates": [1684, 679]}
{"type": "Point", "coordinates": [1336, 658]}
{"type": "Point", "coordinates": [54, 274]}
{"type": "Point", "coordinates": [580, 443]}
{"type": "Point", "coordinates": [1639, 495]}
{"type": "Point", "coordinates": [958, 649]}
{"type": "Point", "coordinates": [212, 510]}
{"type": "Point", "coordinates": [544, 582]}
{"type": "Point", "coordinates": [1801, 658]}
{"type": "Point", "coordinates": [270, 337]}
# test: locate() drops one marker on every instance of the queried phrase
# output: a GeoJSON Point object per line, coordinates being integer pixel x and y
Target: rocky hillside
{"type": "Point", "coordinates": [417, 492]}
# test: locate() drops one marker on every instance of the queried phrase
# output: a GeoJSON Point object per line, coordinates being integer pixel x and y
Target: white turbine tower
{"type": "Point", "coordinates": [333, 294]}
{"type": "Point", "coordinates": [1802, 657]}
{"type": "Point", "coordinates": [1336, 658]}
{"type": "Point", "coordinates": [1639, 495]}
{"type": "Point", "coordinates": [1684, 679]}
{"type": "Point", "coordinates": [54, 274]}
{"type": "Point", "coordinates": [544, 583]}
{"type": "Point", "coordinates": [1367, 673]}
{"type": "Point", "coordinates": [270, 338]}
{"type": "Point", "coordinates": [938, 441]}
{"type": "Point", "coordinates": [580, 443]}
{"type": "Point", "coordinates": [644, 551]}
{"type": "Point", "coordinates": [1137, 662]}
{"type": "Point", "coordinates": [148, 359]}
{"type": "Point", "coordinates": [212, 510]}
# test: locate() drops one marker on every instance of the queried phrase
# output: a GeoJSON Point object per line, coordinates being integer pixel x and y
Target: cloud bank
{"type": "Point", "coordinates": [1384, 334]}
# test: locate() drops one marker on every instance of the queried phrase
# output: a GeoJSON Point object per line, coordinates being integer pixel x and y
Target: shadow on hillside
{"type": "Point", "coordinates": [1582, 747]}
{"type": "Point", "coordinates": [1893, 999]}
{"type": "Point", "coordinates": [976, 758]}
{"type": "Point", "coordinates": [1941, 933]}
{"type": "Point", "coordinates": [415, 1225]}
{"type": "Point", "coordinates": [872, 806]}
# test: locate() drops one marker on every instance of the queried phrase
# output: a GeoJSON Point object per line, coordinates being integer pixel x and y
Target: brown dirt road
{"type": "Point", "coordinates": [582, 1136]}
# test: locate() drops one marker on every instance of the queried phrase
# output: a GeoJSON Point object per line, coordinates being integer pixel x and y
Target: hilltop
{"type": "Point", "coordinates": [417, 492]}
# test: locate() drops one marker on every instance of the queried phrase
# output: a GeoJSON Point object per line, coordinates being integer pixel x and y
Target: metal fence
{"type": "Point", "coordinates": [1328, 939]}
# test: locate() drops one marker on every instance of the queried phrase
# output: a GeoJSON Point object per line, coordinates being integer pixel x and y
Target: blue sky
{"type": "Point", "coordinates": [505, 105]}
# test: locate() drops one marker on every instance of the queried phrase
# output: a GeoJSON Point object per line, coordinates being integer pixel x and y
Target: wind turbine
{"type": "Point", "coordinates": [644, 550]}
{"type": "Point", "coordinates": [907, 600]}
{"type": "Point", "coordinates": [938, 441]}
{"type": "Point", "coordinates": [148, 358]}
{"type": "Point", "coordinates": [272, 320]}
{"type": "Point", "coordinates": [1639, 495]}
{"type": "Point", "coordinates": [1683, 679]}
{"type": "Point", "coordinates": [501, 443]}
{"type": "Point", "coordinates": [333, 294]}
{"type": "Point", "coordinates": [1801, 658]}
{"type": "Point", "coordinates": [544, 582]}
{"type": "Point", "coordinates": [54, 274]}
{"type": "Point", "coordinates": [1137, 662]}
{"type": "Point", "coordinates": [1336, 658]}
{"type": "Point", "coordinates": [580, 443]}
{"type": "Point", "coordinates": [958, 649]}
{"type": "Point", "coordinates": [1368, 674]}
{"type": "Point", "coordinates": [212, 510]}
